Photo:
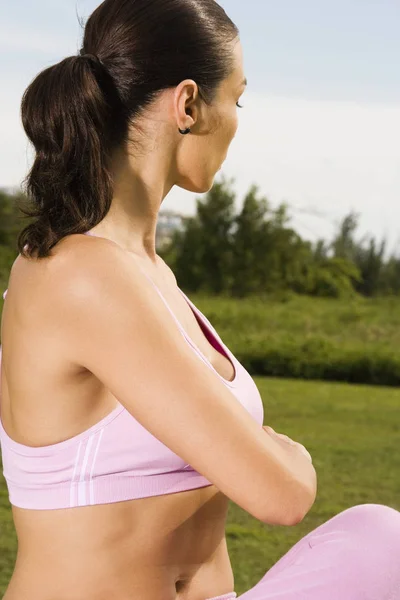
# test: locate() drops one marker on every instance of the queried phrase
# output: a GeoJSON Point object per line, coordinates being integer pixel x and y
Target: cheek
{"type": "Point", "coordinates": [226, 126]}
{"type": "Point", "coordinates": [234, 125]}
{"type": "Point", "coordinates": [230, 134]}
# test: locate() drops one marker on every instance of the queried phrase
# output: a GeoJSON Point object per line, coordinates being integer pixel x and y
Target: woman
{"type": "Point", "coordinates": [126, 423]}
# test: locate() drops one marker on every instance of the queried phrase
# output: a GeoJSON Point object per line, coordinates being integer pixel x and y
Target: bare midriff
{"type": "Point", "coordinates": [170, 547]}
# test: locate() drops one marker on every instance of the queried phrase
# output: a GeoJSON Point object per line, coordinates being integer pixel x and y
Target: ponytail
{"type": "Point", "coordinates": [73, 116]}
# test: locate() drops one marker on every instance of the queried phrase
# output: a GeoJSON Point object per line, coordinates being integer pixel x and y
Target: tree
{"type": "Point", "coordinates": [249, 244]}
{"type": "Point", "coordinates": [204, 254]}
{"type": "Point", "coordinates": [366, 254]}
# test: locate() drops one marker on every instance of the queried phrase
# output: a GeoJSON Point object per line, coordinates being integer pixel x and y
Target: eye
{"type": "Point", "coordinates": [239, 105]}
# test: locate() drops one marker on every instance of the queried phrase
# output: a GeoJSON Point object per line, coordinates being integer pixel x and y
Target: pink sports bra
{"type": "Point", "coordinates": [116, 459]}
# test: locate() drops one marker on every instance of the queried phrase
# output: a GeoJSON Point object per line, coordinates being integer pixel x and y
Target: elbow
{"type": "Point", "coordinates": [293, 512]}
{"type": "Point", "coordinates": [288, 519]}
{"type": "Point", "coordinates": [295, 519]}
{"type": "Point", "coordinates": [305, 501]}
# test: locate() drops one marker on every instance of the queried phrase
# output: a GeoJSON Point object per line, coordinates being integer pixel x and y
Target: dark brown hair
{"type": "Point", "coordinates": [77, 112]}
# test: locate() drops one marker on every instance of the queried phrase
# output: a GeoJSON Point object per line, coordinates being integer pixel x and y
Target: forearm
{"type": "Point", "coordinates": [302, 474]}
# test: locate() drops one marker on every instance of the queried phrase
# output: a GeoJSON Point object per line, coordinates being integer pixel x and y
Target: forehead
{"type": "Point", "coordinates": [235, 80]}
{"type": "Point", "coordinates": [237, 77]}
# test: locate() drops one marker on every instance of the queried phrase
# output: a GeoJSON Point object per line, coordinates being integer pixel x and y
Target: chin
{"type": "Point", "coordinates": [200, 186]}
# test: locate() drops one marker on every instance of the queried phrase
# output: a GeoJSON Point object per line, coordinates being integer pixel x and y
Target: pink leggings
{"type": "Point", "coordinates": [355, 555]}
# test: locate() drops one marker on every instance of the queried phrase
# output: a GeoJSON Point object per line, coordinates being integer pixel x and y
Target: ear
{"type": "Point", "coordinates": [186, 103]}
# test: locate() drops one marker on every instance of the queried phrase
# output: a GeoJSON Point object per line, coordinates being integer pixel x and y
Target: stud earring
{"type": "Point", "coordinates": [184, 131]}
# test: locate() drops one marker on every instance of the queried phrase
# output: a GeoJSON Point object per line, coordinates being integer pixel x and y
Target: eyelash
{"type": "Point", "coordinates": [239, 105]}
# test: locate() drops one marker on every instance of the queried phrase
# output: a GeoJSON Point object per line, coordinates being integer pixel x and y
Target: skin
{"type": "Point", "coordinates": [169, 547]}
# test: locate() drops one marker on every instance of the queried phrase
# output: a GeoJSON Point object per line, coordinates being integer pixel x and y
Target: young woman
{"type": "Point", "coordinates": [127, 424]}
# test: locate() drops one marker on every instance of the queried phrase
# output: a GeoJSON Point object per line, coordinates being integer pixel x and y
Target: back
{"type": "Point", "coordinates": [36, 372]}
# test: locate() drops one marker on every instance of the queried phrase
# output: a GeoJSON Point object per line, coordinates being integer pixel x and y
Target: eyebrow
{"type": "Point", "coordinates": [244, 82]}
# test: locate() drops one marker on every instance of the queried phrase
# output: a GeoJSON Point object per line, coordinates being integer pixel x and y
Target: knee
{"type": "Point", "coordinates": [373, 519]}
{"type": "Point", "coordinates": [372, 511]}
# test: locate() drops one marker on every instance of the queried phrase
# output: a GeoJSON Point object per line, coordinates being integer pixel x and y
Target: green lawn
{"type": "Point", "coordinates": [354, 340]}
{"type": "Point", "coordinates": [352, 433]}
{"type": "Point", "coordinates": [354, 323]}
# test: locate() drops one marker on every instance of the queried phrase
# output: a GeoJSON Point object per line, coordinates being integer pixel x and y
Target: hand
{"type": "Point", "coordinates": [288, 440]}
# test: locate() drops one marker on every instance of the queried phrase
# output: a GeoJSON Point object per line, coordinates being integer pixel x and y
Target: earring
{"type": "Point", "coordinates": [184, 131]}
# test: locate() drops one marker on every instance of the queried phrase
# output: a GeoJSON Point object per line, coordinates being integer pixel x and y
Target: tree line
{"type": "Point", "coordinates": [252, 251]}
{"type": "Point", "coordinates": [256, 251]}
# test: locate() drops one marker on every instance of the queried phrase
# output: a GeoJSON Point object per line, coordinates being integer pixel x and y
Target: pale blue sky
{"type": "Point", "coordinates": [332, 49]}
{"type": "Point", "coordinates": [320, 126]}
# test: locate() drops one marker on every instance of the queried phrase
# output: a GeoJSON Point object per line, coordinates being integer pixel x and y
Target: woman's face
{"type": "Point", "coordinates": [202, 152]}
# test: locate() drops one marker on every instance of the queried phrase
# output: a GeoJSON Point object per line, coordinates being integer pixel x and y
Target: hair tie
{"type": "Point", "coordinates": [92, 57]}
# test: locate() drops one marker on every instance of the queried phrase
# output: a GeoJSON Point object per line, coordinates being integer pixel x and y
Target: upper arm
{"type": "Point", "coordinates": [119, 329]}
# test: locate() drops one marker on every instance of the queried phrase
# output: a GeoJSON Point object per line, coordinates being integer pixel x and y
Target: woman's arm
{"type": "Point", "coordinates": [117, 327]}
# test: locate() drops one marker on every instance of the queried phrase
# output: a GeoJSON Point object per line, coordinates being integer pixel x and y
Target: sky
{"type": "Point", "coordinates": [320, 127]}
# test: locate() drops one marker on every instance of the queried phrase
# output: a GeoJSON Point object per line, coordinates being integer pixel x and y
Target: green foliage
{"type": "Point", "coordinates": [253, 251]}
{"type": "Point", "coordinates": [7, 257]}
{"type": "Point", "coordinates": [204, 250]}
{"type": "Point", "coordinates": [334, 278]}
{"type": "Point", "coordinates": [355, 340]}
{"type": "Point", "coordinates": [368, 256]}
{"type": "Point", "coordinates": [9, 228]}
{"type": "Point", "coordinates": [257, 252]}
{"type": "Point", "coordinates": [9, 218]}
{"type": "Point", "coordinates": [250, 242]}
{"type": "Point", "coordinates": [389, 281]}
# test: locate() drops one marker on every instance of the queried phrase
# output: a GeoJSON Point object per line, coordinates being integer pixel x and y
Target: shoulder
{"type": "Point", "coordinates": [82, 272]}
{"type": "Point", "coordinates": [92, 269]}
{"type": "Point", "coordinates": [86, 265]}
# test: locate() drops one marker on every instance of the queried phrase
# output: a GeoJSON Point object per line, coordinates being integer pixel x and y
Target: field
{"type": "Point", "coordinates": [353, 323]}
{"type": "Point", "coordinates": [352, 433]}
{"type": "Point", "coordinates": [354, 341]}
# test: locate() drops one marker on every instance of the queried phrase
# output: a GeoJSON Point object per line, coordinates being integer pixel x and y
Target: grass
{"type": "Point", "coordinates": [354, 323]}
{"type": "Point", "coordinates": [354, 341]}
{"type": "Point", "coordinates": [352, 433]}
